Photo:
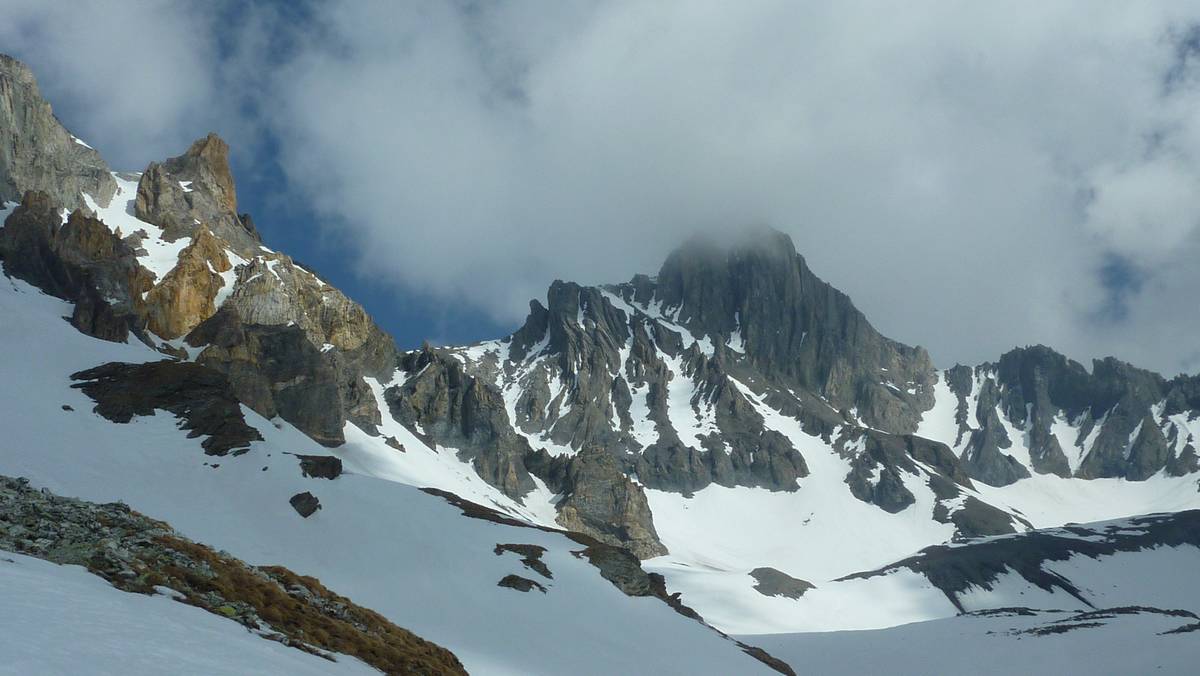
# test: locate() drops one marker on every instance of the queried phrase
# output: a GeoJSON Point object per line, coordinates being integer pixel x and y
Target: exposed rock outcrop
{"type": "Point", "coordinates": [521, 584]}
{"type": "Point", "coordinates": [447, 406]}
{"type": "Point", "coordinates": [1117, 421]}
{"type": "Point", "coordinates": [37, 153]}
{"type": "Point", "coordinates": [80, 261]}
{"type": "Point", "coordinates": [296, 347]}
{"type": "Point", "coordinates": [599, 500]}
{"type": "Point", "coordinates": [200, 397]}
{"type": "Point", "coordinates": [956, 569]}
{"type": "Point", "coordinates": [772, 582]}
{"type": "Point", "coordinates": [196, 190]}
{"type": "Point", "coordinates": [793, 326]}
{"type": "Point", "coordinates": [320, 466]}
{"type": "Point", "coordinates": [306, 504]}
{"type": "Point", "coordinates": [188, 293]}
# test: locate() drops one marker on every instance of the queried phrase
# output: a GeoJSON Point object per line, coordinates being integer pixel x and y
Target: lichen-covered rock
{"type": "Point", "coordinates": [37, 153]}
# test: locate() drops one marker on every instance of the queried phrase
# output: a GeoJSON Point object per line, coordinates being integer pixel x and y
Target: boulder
{"type": "Point", "coordinates": [320, 466]}
{"type": "Point", "coordinates": [306, 504]}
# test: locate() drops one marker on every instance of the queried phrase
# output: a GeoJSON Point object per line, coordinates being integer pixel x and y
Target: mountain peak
{"type": "Point", "coordinates": [207, 161]}
{"type": "Point", "coordinates": [196, 188]}
{"type": "Point", "coordinates": [754, 286]}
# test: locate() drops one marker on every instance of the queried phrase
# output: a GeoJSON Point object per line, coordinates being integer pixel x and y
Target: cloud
{"type": "Point", "coordinates": [143, 71]}
{"type": "Point", "coordinates": [965, 172]}
{"type": "Point", "coordinates": [971, 174]}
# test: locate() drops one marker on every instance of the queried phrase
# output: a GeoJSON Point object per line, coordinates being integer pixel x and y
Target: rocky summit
{"type": "Point", "coordinates": [643, 477]}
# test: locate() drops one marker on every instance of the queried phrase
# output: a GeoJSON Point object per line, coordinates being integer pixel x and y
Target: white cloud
{"type": "Point", "coordinates": [962, 170]}
{"type": "Point", "coordinates": [143, 71]}
{"type": "Point", "coordinates": [933, 162]}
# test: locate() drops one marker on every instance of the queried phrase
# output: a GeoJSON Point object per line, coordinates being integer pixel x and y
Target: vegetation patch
{"type": "Point", "coordinates": [138, 554]}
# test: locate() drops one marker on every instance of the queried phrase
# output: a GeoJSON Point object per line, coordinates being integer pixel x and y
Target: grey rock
{"type": "Point", "coordinates": [463, 412]}
{"type": "Point", "coordinates": [306, 504]}
{"type": "Point", "coordinates": [772, 582]}
{"type": "Point", "coordinates": [209, 198]}
{"type": "Point", "coordinates": [38, 153]}
{"type": "Point", "coordinates": [599, 500]}
{"type": "Point", "coordinates": [199, 396]}
{"type": "Point", "coordinates": [795, 327]}
{"type": "Point", "coordinates": [1116, 405]}
{"type": "Point", "coordinates": [293, 346]}
{"type": "Point", "coordinates": [80, 261]}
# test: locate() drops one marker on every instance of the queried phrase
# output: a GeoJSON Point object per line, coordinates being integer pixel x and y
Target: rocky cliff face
{"type": "Point", "coordinates": [295, 347]}
{"type": "Point", "coordinates": [671, 380]}
{"type": "Point", "coordinates": [80, 261]}
{"type": "Point", "coordinates": [172, 259]}
{"type": "Point", "coordinates": [37, 153]}
{"type": "Point", "coordinates": [1035, 411]}
{"type": "Point", "coordinates": [732, 362]}
{"type": "Point", "coordinates": [793, 326]}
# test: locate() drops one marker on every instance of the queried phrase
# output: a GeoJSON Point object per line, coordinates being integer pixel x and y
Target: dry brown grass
{"type": "Point", "coordinates": [362, 633]}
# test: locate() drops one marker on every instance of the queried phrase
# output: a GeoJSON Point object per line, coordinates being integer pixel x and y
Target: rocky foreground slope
{"type": "Point", "coordinates": [137, 554]}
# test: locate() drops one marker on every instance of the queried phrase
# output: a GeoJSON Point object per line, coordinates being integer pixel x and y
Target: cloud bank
{"type": "Point", "coordinates": [975, 177]}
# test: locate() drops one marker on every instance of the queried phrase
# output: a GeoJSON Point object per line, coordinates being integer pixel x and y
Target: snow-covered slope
{"type": "Point", "coordinates": [1050, 643]}
{"type": "Point", "coordinates": [407, 554]}
{"type": "Point", "coordinates": [64, 620]}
